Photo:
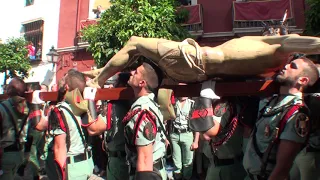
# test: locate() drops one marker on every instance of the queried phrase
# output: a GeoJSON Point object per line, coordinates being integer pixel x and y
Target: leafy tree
{"type": "Point", "coordinates": [313, 18]}
{"type": "Point", "coordinates": [126, 18]}
{"type": "Point", "coordinates": [14, 60]}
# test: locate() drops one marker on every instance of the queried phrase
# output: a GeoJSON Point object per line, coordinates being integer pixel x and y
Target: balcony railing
{"type": "Point", "coordinates": [250, 16]}
{"type": "Point", "coordinates": [258, 25]}
{"type": "Point", "coordinates": [84, 24]}
{"type": "Point", "coordinates": [33, 34]}
{"type": "Point", "coordinates": [194, 23]}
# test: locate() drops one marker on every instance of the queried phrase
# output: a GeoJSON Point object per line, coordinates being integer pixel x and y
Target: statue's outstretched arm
{"type": "Point", "coordinates": [114, 65]}
{"type": "Point", "coordinates": [301, 44]}
{"type": "Point", "coordinates": [292, 43]}
{"type": "Point", "coordinates": [147, 47]}
{"type": "Point", "coordinates": [270, 39]}
{"type": "Point", "coordinates": [93, 73]}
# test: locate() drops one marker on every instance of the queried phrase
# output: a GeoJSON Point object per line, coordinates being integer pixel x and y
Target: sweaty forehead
{"type": "Point", "coordinates": [300, 63]}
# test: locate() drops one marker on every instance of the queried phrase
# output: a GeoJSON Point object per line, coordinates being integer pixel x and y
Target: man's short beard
{"type": "Point", "coordinates": [285, 81]}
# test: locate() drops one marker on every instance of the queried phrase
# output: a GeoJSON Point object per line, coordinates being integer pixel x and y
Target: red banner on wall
{"type": "Point", "coordinates": [261, 10]}
{"type": "Point", "coordinates": [194, 14]}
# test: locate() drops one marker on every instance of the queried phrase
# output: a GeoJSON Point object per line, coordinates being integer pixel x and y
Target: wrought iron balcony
{"type": "Point", "coordinates": [251, 16]}
{"type": "Point", "coordinates": [84, 24]}
{"type": "Point", "coordinates": [33, 34]}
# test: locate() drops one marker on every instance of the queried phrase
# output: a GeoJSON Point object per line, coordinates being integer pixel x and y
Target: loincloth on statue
{"type": "Point", "coordinates": [181, 61]}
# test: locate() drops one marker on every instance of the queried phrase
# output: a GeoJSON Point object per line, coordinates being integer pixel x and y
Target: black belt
{"type": "Point", "coordinates": [158, 164]}
{"type": "Point", "coordinates": [118, 154]}
{"type": "Point", "coordinates": [175, 130]}
{"type": "Point", "coordinates": [79, 158]}
{"type": "Point", "coordinates": [312, 149]}
{"type": "Point", "coordinates": [12, 148]}
{"type": "Point", "coordinates": [226, 162]}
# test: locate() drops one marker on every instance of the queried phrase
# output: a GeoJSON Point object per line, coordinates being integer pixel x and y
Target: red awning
{"type": "Point", "coordinates": [194, 14]}
{"type": "Point", "coordinates": [261, 10]}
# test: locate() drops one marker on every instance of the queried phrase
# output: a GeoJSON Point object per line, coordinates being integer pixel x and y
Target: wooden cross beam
{"type": "Point", "coordinates": [254, 88]}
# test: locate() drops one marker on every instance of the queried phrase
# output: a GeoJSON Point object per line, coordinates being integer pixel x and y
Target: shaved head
{"type": "Point", "coordinates": [75, 79]}
{"type": "Point", "coordinates": [16, 87]}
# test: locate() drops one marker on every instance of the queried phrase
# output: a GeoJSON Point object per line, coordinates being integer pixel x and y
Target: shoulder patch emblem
{"type": "Point", "coordinates": [148, 132]}
{"type": "Point", "coordinates": [220, 109]}
{"type": "Point", "coordinates": [302, 124]}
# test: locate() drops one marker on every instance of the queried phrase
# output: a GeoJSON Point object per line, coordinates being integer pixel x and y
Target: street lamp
{"type": "Point", "coordinates": [53, 56]}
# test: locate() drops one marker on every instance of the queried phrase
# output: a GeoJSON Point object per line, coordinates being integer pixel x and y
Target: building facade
{"type": "Point", "coordinates": [37, 21]}
{"type": "Point", "coordinates": [211, 22]}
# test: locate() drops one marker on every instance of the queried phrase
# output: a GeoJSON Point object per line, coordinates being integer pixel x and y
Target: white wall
{"type": "Point", "coordinates": [10, 18]}
{"type": "Point", "coordinates": [48, 11]}
{"type": "Point", "coordinates": [14, 13]}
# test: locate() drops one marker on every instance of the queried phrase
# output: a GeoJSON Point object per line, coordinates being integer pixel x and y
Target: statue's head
{"type": "Point", "coordinates": [274, 30]}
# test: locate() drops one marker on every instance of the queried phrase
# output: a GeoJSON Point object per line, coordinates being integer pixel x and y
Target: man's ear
{"type": "Point", "coordinates": [303, 81]}
{"type": "Point", "coordinates": [142, 83]}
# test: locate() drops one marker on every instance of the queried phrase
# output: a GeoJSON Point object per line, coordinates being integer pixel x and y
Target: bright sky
{"type": "Point", "coordinates": [10, 18]}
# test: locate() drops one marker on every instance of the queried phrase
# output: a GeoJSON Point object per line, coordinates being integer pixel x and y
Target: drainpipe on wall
{"type": "Point", "coordinates": [77, 22]}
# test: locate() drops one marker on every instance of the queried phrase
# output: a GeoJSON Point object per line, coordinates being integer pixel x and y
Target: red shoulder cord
{"type": "Point", "coordinates": [144, 115]}
{"type": "Point", "coordinates": [130, 115]}
{"type": "Point", "coordinates": [34, 114]}
{"type": "Point", "coordinates": [232, 128]}
{"type": "Point", "coordinates": [109, 115]}
{"type": "Point", "coordinates": [285, 119]}
{"type": "Point", "coordinates": [58, 113]}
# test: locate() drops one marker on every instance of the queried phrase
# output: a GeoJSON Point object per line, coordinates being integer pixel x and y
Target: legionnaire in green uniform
{"type": "Point", "coordinates": [13, 128]}
{"type": "Point", "coordinates": [226, 146]}
{"type": "Point", "coordinates": [182, 140]}
{"type": "Point", "coordinates": [40, 125]}
{"type": "Point", "coordinates": [111, 125]}
{"type": "Point", "coordinates": [69, 155]}
{"type": "Point", "coordinates": [144, 129]}
{"type": "Point", "coordinates": [307, 164]}
{"type": "Point", "coordinates": [283, 124]}
{"type": "Point", "coordinates": [1, 171]}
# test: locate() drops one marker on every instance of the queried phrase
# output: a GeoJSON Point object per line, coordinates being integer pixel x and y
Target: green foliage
{"type": "Point", "coordinates": [182, 16]}
{"type": "Point", "coordinates": [14, 58]}
{"type": "Point", "coordinates": [126, 18]}
{"type": "Point", "coordinates": [313, 18]}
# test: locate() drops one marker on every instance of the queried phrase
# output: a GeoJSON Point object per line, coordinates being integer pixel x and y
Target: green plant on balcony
{"type": "Point", "coordinates": [182, 16]}
{"type": "Point", "coordinates": [126, 18]}
{"type": "Point", "coordinates": [14, 58]}
{"type": "Point", "coordinates": [313, 18]}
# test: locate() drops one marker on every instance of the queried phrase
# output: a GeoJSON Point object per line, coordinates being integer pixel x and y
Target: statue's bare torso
{"type": "Point", "coordinates": [188, 62]}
